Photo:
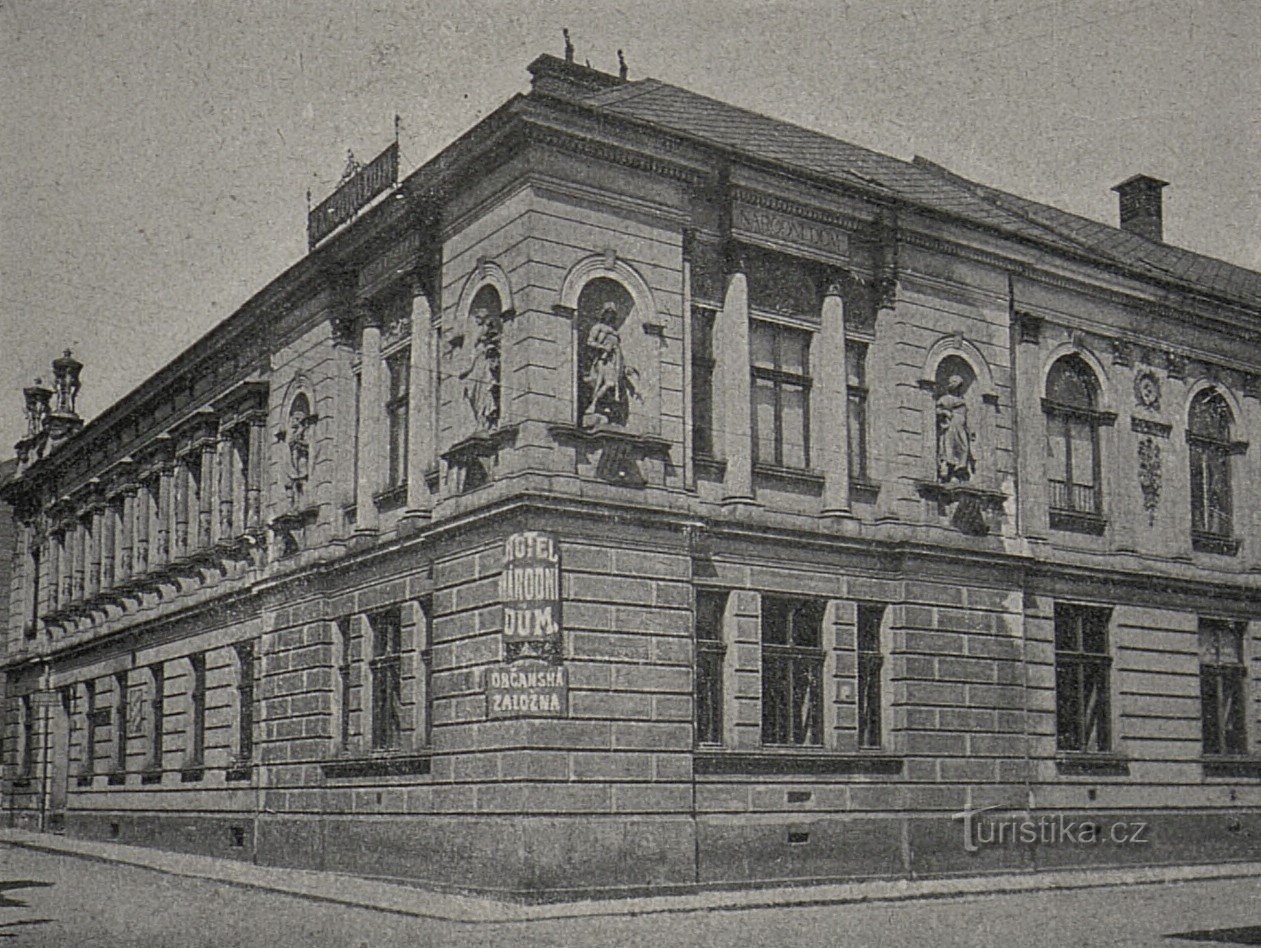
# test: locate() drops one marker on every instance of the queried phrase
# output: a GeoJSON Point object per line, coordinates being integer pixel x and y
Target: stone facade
{"type": "Point", "coordinates": [610, 508]}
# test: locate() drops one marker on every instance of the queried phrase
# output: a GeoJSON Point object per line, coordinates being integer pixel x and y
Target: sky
{"type": "Point", "coordinates": [155, 155]}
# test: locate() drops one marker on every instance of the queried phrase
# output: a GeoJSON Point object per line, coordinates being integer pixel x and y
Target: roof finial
{"type": "Point", "coordinates": [569, 47]}
{"type": "Point", "coordinates": [621, 65]}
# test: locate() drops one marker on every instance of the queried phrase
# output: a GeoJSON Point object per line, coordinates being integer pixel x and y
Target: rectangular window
{"type": "Point", "coordinates": [425, 671]}
{"type": "Point", "coordinates": [89, 726]}
{"type": "Point", "coordinates": [1222, 708]}
{"type": "Point", "coordinates": [711, 604]}
{"type": "Point", "coordinates": [792, 671]}
{"type": "Point", "coordinates": [157, 708]}
{"type": "Point", "coordinates": [856, 374]}
{"type": "Point", "coordinates": [398, 368]}
{"type": "Point", "coordinates": [354, 456]}
{"type": "Point", "coordinates": [197, 710]}
{"type": "Point", "coordinates": [870, 671]}
{"type": "Point", "coordinates": [26, 759]}
{"type": "Point", "coordinates": [703, 364]}
{"type": "Point", "coordinates": [244, 701]}
{"type": "Point", "coordinates": [1082, 670]}
{"type": "Point", "coordinates": [343, 658]}
{"type": "Point", "coordinates": [33, 617]}
{"type": "Point", "coordinates": [387, 711]}
{"type": "Point", "coordinates": [120, 722]}
{"type": "Point", "coordinates": [781, 395]}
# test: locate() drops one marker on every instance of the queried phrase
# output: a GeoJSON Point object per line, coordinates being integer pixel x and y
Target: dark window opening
{"type": "Point", "coordinates": [1223, 711]}
{"type": "Point", "coordinates": [387, 711]}
{"type": "Point", "coordinates": [780, 358]}
{"type": "Point", "coordinates": [1082, 669]}
{"type": "Point", "coordinates": [792, 671]}
{"type": "Point", "coordinates": [710, 651]}
{"type": "Point", "coordinates": [870, 669]}
{"type": "Point", "coordinates": [703, 364]}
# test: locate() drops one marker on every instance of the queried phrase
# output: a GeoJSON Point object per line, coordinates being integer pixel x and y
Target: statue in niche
{"type": "Point", "coordinates": [297, 439]}
{"type": "Point", "coordinates": [955, 460]}
{"type": "Point", "coordinates": [610, 380]}
{"type": "Point", "coordinates": [481, 377]}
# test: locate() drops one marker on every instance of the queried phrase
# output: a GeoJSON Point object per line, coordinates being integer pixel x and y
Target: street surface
{"type": "Point", "coordinates": [60, 900]}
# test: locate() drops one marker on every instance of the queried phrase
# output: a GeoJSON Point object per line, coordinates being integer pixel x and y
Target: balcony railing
{"type": "Point", "coordinates": [1074, 498]}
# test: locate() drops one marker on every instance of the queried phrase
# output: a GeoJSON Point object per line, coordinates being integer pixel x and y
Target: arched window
{"type": "Point", "coordinates": [1209, 438]}
{"type": "Point", "coordinates": [1072, 429]}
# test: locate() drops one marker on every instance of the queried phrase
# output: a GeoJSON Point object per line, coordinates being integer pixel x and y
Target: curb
{"type": "Point", "coordinates": [417, 902]}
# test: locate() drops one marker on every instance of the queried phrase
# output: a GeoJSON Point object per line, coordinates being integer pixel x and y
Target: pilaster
{"type": "Point", "coordinates": [733, 374]}
{"type": "Point", "coordinates": [371, 421]}
{"type": "Point", "coordinates": [420, 408]}
{"type": "Point", "coordinates": [829, 406]}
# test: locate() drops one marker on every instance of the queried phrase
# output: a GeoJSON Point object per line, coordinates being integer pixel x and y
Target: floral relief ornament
{"type": "Point", "coordinates": [1149, 476]}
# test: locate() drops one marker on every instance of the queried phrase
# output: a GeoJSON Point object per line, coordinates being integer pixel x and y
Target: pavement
{"type": "Point", "coordinates": [416, 902]}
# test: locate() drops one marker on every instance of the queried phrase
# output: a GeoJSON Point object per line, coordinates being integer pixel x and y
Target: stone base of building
{"type": "Point", "coordinates": [560, 858]}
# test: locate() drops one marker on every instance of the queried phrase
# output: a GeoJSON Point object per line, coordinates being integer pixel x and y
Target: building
{"type": "Point", "coordinates": [646, 493]}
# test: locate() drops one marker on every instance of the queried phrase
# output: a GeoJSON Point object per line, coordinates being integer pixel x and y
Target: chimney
{"type": "Point", "coordinates": [1141, 206]}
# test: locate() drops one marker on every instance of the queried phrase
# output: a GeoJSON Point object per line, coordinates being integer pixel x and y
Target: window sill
{"type": "Point", "coordinates": [193, 774]}
{"type": "Point", "coordinates": [1074, 521]}
{"type": "Point", "coordinates": [385, 765]}
{"type": "Point", "coordinates": [793, 475]}
{"type": "Point", "coordinates": [866, 491]}
{"type": "Point", "coordinates": [793, 762]}
{"type": "Point", "coordinates": [391, 498]}
{"type": "Point", "coordinates": [1227, 766]}
{"type": "Point", "coordinates": [1069, 763]}
{"type": "Point", "coordinates": [709, 467]}
{"type": "Point", "coordinates": [1214, 543]}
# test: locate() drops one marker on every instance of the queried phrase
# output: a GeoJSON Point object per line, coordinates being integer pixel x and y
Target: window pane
{"type": "Point", "coordinates": [1067, 625]}
{"type": "Point", "coordinates": [807, 624]}
{"type": "Point", "coordinates": [1071, 382]}
{"type": "Point", "coordinates": [794, 415]}
{"type": "Point", "coordinates": [1068, 706]}
{"type": "Point", "coordinates": [869, 666]}
{"type": "Point", "coordinates": [1210, 416]}
{"type": "Point", "coordinates": [762, 345]}
{"type": "Point", "coordinates": [702, 411]}
{"type": "Point", "coordinates": [1233, 712]}
{"type": "Point", "coordinates": [709, 698]}
{"type": "Point", "coordinates": [856, 363]}
{"type": "Point", "coordinates": [869, 618]}
{"type": "Point", "coordinates": [764, 422]}
{"type": "Point", "coordinates": [1082, 435]}
{"type": "Point", "coordinates": [1056, 449]}
{"type": "Point", "coordinates": [1094, 631]}
{"type": "Point", "coordinates": [1199, 508]}
{"type": "Point", "coordinates": [807, 703]}
{"type": "Point", "coordinates": [857, 436]}
{"type": "Point", "coordinates": [1095, 706]}
{"type": "Point", "coordinates": [1217, 489]}
{"type": "Point", "coordinates": [1210, 726]}
{"type": "Point", "coordinates": [794, 351]}
{"type": "Point", "coordinates": [775, 717]}
{"type": "Point", "coordinates": [775, 620]}
{"type": "Point", "coordinates": [710, 606]}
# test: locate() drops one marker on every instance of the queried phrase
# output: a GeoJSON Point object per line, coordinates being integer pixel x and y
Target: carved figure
{"type": "Point", "coordinates": [955, 461]}
{"type": "Point", "coordinates": [481, 379]}
{"type": "Point", "coordinates": [300, 420]}
{"type": "Point", "coordinates": [612, 382]}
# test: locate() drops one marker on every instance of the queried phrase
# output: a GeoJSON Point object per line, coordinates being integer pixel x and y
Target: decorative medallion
{"type": "Point", "coordinates": [1147, 391]}
{"type": "Point", "coordinates": [1149, 476]}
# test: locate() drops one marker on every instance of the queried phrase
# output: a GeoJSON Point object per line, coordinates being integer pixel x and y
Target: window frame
{"type": "Point", "coordinates": [397, 365]}
{"type": "Point", "coordinates": [1080, 661]}
{"type": "Point", "coordinates": [1066, 512]}
{"type": "Point", "coordinates": [1220, 673]}
{"type": "Point", "coordinates": [780, 378]}
{"type": "Point", "coordinates": [157, 710]}
{"type": "Point", "coordinates": [704, 364]}
{"type": "Point", "coordinates": [793, 656]}
{"type": "Point", "coordinates": [857, 401]}
{"type": "Point", "coordinates": [385, 670]}
{"type": "Point", "coordinates": [195, 751]}
{"type": "Point", "coordinates": [869, 675]}
{"type": "Point", "coordinates": [1207, 450]}
{"type": "Point", "coordinates": [246, 657]}
{"type": "Point", "coordinates": [711, 651]}
{"type": "Point", "coordinates": [121, 687]}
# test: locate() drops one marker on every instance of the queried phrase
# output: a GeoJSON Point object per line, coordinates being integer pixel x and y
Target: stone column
{"type": "Point", "coordinates": [79, 558]}
{"type": "Point", "coordinates": [1033, 501]}
{"type": "Point", "coordinates": [227, 489]}
{"type": "Point", "coordinates": [829, 406]}
{"type": "Point", "coordinates": [254, 469]}
{"type": "Point", "coordinates": [46, 598]}
{"type": "Point", "coordinates": [109, 542]}
{"type": "Point", "coordinates": [96, 548]}
{"type": "Point", "coordinates": [180, 545]}
{"type": "Point", "coordinates": [371, 422]}
{"type": "Point", "coordinates": [205, 507]}
{"type": "Point", "coordinates": [144, 501]}
{"type": "Point", "coordinates": [160, 499]}
{"type": "Point", "coordinates": [127, 530]}
{"type": "Point", "coordinates": [733, 385]}
{"type": "Point", "coordinates": [420, 453]}
{"type": "Point", "coordinates": [52, 574]}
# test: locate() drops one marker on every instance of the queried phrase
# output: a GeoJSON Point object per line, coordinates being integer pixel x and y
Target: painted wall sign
{"type": "Point", "coordinates": [527, 688]}
{"type": "Point", "coordinates": [365, 184]}
{"type": "Point", "coordinates": [763, 222]}
{"type": "Point", "coordinates": [529, 588]}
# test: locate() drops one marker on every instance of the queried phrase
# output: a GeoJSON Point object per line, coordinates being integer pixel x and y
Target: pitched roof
{"type": "Point", "coordinates": [919, 182]}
